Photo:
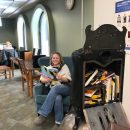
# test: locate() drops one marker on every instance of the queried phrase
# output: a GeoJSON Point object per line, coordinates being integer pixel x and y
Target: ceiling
{"type": "Point", "coordinates": [11, 8]}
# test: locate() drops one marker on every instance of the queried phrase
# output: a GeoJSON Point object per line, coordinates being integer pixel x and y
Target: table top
{"type": "Point", "coordinates": [4, 67]}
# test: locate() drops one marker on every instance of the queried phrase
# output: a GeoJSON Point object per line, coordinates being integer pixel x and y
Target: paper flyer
{"type": "Point", "coordinates": [122, 18]}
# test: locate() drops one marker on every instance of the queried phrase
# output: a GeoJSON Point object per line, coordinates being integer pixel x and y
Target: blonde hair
{"type": "Point", "coordinates": [8, 43]}
{"type": "Point", "coordinates": [61, 58]}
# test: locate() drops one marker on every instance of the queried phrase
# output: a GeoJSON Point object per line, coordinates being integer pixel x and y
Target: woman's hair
{"type": "Point", "coordinates": [61, 58]}
{"type": "Point", "coordinates": [8, 43]}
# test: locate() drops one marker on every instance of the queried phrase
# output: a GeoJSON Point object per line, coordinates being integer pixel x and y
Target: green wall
{"type": "Point", "coordinates": [70, 24]}
{"type": "Point", "coordinates": [67, 26]}
{"type": "Point", "coordinates": [8, 32]}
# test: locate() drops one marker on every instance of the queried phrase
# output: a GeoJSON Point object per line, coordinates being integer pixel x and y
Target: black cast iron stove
{"type": "Point", "coordinates": [103, 49]}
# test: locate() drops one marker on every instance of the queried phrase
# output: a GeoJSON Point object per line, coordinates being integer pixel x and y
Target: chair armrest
{"type": "Point", "coordinates": [38, 89]}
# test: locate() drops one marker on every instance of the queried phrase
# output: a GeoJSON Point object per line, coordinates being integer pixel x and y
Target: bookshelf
{"type": "Point", "coordinates": [101, 83]}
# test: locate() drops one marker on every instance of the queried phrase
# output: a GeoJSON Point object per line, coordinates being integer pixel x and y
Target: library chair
{"type": "Point", "coordinates": [25, 76]}
{"type": "Point", "coordinates": [40, 91]}
{"type": "Point", "coordinates": [22, 48]}
{"type": "Point", "coordinates": [5, 71]}
{"type": "Point", "coordinates": [28, 56]}
{"type": "Point", "coordinates": [36, 51]}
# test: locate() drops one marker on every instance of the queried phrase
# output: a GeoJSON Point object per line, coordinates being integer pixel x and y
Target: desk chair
{"type": "Point", "coordinates": [25, 76]}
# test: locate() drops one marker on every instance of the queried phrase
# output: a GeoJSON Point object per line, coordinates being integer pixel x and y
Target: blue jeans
{"type": "Point", "coordinates": [54, 100]}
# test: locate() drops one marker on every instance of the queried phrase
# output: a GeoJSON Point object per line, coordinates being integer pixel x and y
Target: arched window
{"type": "Point", "coordinates": [40, 30]}
{"type": "Point", "coordinates": [21, 31]}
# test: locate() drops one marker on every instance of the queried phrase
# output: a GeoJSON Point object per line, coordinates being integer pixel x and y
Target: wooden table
{"type": "Point", "coordinates": [30, 69]}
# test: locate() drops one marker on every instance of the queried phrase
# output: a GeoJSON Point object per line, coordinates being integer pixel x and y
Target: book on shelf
{"type": "Point", "coordinates": [91, 77]}
{"type": "Point", "coordinates": [92, 96]}
{"type": "Point", "coordinates": [103, 78]}
{"type": "Point", "coordinates": [110, 89]}
{"type": "Point", "coordinates": [92, 100]}
{"type": "Point", "coordinates": [113, 89]}
{"type": "Point", "coordinates": [117, 84]}
{"type": "Point", "coordinates": [90, 92]}
{"type": "Point", "coordinates": [48, 72]}
{"type": "Point", "coordinates": [88, 74]}
{"type": "Point", "coordinates": [89, 102]}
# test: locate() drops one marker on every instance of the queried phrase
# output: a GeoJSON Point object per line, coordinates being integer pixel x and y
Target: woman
{"type": "Point", "coordinates": [8, 45]}
{"type": "Point", "coordinates": [56, 93]}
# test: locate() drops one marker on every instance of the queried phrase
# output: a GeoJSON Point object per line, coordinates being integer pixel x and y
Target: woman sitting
{"type": "Point", "coordinates": [56, 93]}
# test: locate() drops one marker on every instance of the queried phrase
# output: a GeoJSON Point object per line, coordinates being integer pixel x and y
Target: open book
{"type": "Point", "coordinates": [48, 72]}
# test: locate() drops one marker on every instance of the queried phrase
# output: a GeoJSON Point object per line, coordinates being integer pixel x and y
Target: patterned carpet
{"type": "Point", "coordinates": [17, 111]}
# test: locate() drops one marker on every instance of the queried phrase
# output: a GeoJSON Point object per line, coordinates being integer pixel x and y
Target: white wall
{"type": "Point", "coordinates": [126, 86]}
{"type": "Point", "coordinates": [104, 13]}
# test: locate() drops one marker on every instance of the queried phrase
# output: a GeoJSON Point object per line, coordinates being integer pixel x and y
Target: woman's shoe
{"type": "Point", "coordinates": [39, 120]}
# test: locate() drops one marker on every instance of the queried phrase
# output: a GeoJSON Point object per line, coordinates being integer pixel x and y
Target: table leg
{"type": "Point", "coordinates": [10, 74]}
{"type": "Point", "coordinates": [12, 67]}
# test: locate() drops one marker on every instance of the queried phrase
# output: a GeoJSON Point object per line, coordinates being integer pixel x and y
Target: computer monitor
{"type": "Point", "coordinates": [35, 60]}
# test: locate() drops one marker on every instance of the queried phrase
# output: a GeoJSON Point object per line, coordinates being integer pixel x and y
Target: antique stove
{"type": "Point", "coordinates": [103, 50]}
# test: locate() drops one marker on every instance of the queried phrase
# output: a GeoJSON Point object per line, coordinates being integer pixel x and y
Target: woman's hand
{"type": "Point", "coordinates": [45, 80]}
{"type": "Point", "coordinates": [61, 78]}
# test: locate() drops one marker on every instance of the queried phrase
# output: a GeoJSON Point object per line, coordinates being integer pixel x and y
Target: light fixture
{"type": "Point", "coordinates": [0, 22]}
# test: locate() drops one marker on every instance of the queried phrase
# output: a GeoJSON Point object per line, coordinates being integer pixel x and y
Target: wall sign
{"type": "Point", "coordinates": [122, 11]}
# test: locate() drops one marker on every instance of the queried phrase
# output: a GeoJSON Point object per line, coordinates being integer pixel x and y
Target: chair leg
{"type": "Point", "coordinates": [5, 74]}
{"type": "Point", "coordinates": [31, 89]}
{"type": "Point", "coordinates": [10, 74]}
{"type": "Point", "coordinates": [28, 88]}
{"type": "Point", "coordinates": [22, 84]}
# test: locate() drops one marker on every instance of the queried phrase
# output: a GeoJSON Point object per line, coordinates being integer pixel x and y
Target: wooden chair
{"type": "Point", "coordinates": [28, 56]}
{"type": "Point", "coordinates": [25, 76]}
{"type": "Point", "coordinates": [5, 71]}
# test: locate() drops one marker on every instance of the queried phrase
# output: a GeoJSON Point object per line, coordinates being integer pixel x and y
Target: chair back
{"type": "Point", "coordinates": [33, 51]}
{"type": "Point", "coordinates": [22, 66]}
{"type": "Point", "coordinates": [36, 51]}
{"type": "Point", "coordinates": [39, 52]}
{"type": "Point", "coordinates": [28, 56]}
{"type": "Point", "coordinates": [22, 48]}
{"type": "Point", "coordinates": [35, 60]}
{"type": "Point", "coordinates": [46, 61]}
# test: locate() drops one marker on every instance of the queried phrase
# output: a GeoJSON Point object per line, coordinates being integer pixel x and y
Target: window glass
{"type": "Point", "coordinates": [40, 30]}
{"type": "Point", "coordinates": [35, 28]}
{"type": "Point", "coordinates": [44, 35]}
{"type": "Point", "coordinates": [21, 31]}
